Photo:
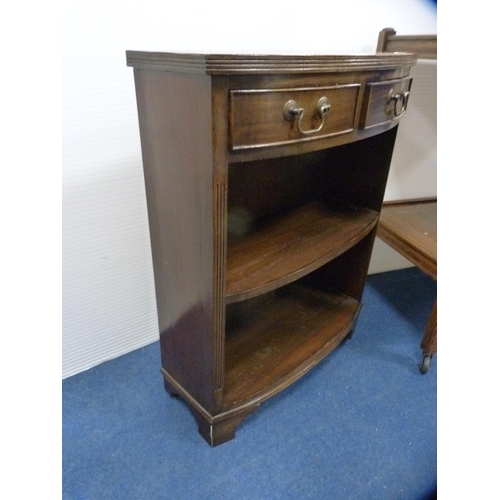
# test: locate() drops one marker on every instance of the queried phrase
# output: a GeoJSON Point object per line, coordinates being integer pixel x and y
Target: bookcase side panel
{"type": "Point", "coordinates": [175, 123]}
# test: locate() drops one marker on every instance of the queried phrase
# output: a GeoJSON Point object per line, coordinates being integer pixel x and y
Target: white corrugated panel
{"type": "Point", "coordinates": [108, 291]}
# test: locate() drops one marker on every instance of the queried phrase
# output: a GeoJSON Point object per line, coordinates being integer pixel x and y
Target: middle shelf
{"type": "Point", "coordinates": [286, 246]}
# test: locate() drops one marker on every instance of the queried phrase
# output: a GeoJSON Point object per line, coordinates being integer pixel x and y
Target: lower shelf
{"type": "Point", "coordinates": [273, 340]}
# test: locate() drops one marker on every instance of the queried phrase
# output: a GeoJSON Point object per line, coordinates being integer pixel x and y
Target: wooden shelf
{"type": "Point", "coordinates": [287, 246]}
{"type": "Point", "coordinates": [272, 344]}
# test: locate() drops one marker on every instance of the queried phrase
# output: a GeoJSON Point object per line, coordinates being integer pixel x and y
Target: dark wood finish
{"type": "Point", "coordinates": [292, 244]}
{"type": "Point", "coordinates": [429, 340]}
{"type": "Point", "coordinates": [181, 240]}
{"type": "Point", "coordinates": [376, 92]}
{"type": "Point", "coordinates": [242, 64]}
{"type": "Point", "coordinates": [273, 344]}
{"type": "Point", "coordinates": [261, 237]}
{"type": "Point", "coordinates": [256, 116]}
{"type": "Point", "coordinates": [424, 46]}
{"type": "Point", "coordinates": [410, 227]}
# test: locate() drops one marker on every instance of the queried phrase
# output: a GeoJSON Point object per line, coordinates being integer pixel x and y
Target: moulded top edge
{"type": "Point", "coordinates": [227, 64]}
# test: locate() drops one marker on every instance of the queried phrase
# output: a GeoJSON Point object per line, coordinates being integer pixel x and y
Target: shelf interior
{"type": "Point", "coordinates": [300, 234]}
{"type": "Point", "coordinates": [274, 339]}
{"type": "Point", "coordinates": [290, 244]}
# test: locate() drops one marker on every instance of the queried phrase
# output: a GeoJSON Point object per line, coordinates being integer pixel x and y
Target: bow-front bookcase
{"type": "Point", "coordinates": [264, 178]}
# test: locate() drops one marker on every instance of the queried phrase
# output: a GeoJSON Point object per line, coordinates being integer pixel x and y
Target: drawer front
{"type": "Point", "coordinates": [384, 102]}
{"type": "Point", "coordinates": [257, 118]}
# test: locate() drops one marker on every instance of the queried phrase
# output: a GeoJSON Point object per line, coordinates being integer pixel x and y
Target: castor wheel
{"type": "Point", "coordinates": [425, 364]}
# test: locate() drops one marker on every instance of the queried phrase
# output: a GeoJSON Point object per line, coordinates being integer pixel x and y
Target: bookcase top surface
{"type": "Point", "coordinates": [240, 64]}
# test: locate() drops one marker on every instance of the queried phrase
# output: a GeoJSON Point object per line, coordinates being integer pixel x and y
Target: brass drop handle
{"type": "Point", "coordinates": [400, 102]}
{"type": "Point", "coordinates": [291, 111]}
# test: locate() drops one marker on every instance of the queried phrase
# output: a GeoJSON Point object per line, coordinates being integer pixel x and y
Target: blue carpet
{"type": "Point", "coordinates": [361, 425]}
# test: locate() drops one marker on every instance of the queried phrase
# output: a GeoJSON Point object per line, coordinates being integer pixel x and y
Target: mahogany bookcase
{"type": "Point", "coordinates": [265, 177]}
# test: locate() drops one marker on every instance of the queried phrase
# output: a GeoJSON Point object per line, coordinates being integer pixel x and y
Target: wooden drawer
{"type": "Point", "coordinates": [384, 102]}
{"type": "Point", "coordinates": [257, 119]}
